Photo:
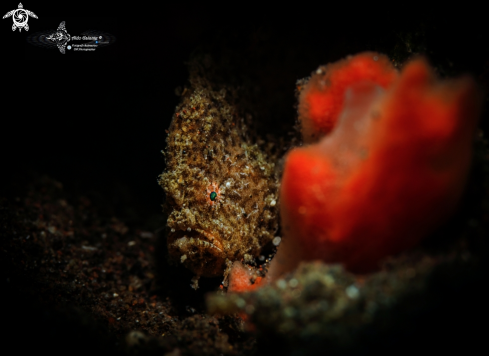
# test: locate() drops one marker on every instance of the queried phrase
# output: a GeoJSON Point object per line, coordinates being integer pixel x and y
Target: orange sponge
{"type": "Point", "coordinates": [240, 279]}
{"type": "Point", "coordinates": [322, 99]}
{"type": "Point", "coordinates": [391, 170]}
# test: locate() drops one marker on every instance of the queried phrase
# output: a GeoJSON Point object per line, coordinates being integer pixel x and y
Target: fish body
{"type": "Point", "coordinates": [221, 189]}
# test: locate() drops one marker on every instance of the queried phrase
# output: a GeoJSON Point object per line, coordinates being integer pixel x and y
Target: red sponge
{"type": "Point", "coordinates": [322, 99]}
{"type": "Point", "coordinates": [391, 170]}
{"type": "Point", "coordinates": [240, 279]}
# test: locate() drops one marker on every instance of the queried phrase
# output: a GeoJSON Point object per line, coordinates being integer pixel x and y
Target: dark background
{"type": "Point", "coordinates": [98, 125]}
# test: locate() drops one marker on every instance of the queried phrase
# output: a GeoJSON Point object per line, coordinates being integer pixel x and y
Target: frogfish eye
{"type": "Point", "coordinates": [213, 196]}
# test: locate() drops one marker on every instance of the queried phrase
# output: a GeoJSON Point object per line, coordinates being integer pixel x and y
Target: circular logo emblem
{"type": "Point", "coordinates": [20, 17]}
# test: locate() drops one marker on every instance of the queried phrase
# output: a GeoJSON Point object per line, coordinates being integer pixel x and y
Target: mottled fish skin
{"type": "Point", "coordinates": [209, 150]}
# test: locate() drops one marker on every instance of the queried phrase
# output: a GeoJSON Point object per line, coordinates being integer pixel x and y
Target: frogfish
{"type": "Point", "coordinates": [220, 183]}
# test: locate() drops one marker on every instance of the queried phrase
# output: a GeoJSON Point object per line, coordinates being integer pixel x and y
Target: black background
{"type": "Point", "coordinates": [99, 124]}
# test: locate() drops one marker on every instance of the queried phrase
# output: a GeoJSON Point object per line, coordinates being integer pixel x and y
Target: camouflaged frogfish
{"type": "Point", "coordinates": [221, 189]}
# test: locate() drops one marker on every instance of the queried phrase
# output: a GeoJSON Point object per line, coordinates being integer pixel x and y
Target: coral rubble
{"type": "Point", "coordinates": [415, 300]}
{"type": "Point", "coordinates": [221, 188]}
